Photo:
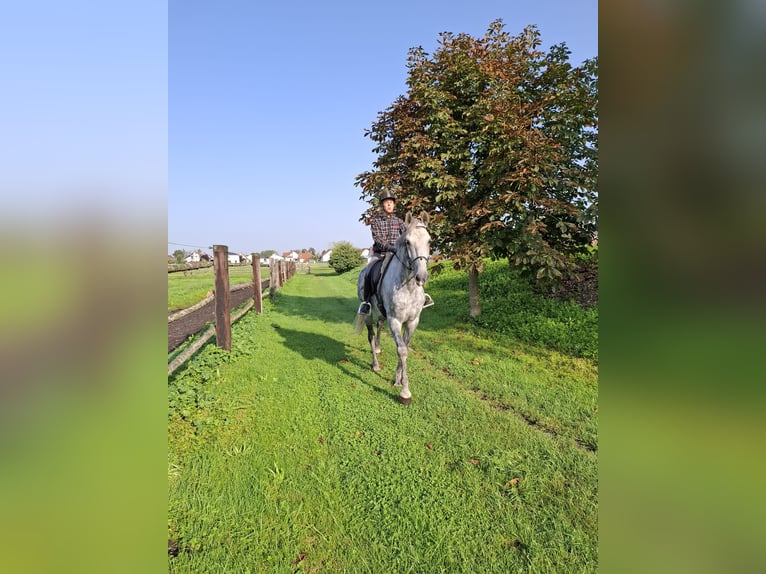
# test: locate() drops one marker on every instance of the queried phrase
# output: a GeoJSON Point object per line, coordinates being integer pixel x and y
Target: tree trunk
{"type": "Point", "coordinates": [473, 292]}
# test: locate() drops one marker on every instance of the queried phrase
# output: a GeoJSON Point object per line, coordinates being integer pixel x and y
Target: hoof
{"type": "Point", "coordinates": [395, 384]}
{"type": "Point", "coordinates": [406, 401]}
{"type": "Point", "coordinates": [376, 369]}
{"type": "Point", "coordinates": [377, 351]}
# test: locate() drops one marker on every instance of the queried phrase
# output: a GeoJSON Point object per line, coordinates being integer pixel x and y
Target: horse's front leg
{"type": "Point", "coordinates": [400, 380]}
{"type": "Point", "coordinates": [409, 329]}
{"type": "Point", "coordinates": [374, 342]}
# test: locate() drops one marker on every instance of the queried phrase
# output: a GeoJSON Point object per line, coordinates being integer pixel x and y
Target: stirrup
{"type": "Point", "coordinates": [364, 308]}
{"type": "Point", "coordinates": [429, 301]}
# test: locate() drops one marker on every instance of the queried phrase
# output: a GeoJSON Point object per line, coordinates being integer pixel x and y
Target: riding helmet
{"type": "Point", "coordinates": [387, 194]}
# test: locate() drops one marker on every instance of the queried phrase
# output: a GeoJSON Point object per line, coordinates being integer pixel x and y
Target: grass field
{"type": "Point", "coordinates": [289, 454]}
{"type": "Point", "coordinates": [186, 290]}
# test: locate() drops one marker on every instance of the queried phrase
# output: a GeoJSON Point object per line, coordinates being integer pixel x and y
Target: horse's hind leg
{"type": "Point", "coordinates": [374, 344]}
{"type": "Point", "coordinates": [378, 348]}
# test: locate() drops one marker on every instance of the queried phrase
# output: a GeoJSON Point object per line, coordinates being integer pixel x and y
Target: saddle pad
{"type": "Point", "coordinates": [374, 277]}
{"type": "Point", "coordinates": [374, 274]}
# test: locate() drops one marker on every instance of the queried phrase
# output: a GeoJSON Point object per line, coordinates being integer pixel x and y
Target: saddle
{"type": "Point", "coordinates": [374, 278]}
{"type": "Point", "coordinates": [372, 281]}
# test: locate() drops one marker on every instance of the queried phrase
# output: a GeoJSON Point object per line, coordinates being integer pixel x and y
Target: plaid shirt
{"type": "Point", "coordinates": [385, 231]}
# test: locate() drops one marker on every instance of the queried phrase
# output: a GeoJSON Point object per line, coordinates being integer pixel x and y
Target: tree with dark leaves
{"type": "Point", "coordinates": [497, 140]}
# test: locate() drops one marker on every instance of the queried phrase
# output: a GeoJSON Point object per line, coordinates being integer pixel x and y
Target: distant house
{"type": "Point", "coordinates": [326, 256]}
{"type": "Point", "coordinates": [274, 257]}
{"type": "Point", "coordinates": [290, 256]}
{"type": "Point", "coordinates": [235, 259]}
{"type": "Point", "coordinates": [198, 256]}
{"type": "Point", "coordinates": [365, 253]}
{"type": "Point", "coordinates": [305, 257]}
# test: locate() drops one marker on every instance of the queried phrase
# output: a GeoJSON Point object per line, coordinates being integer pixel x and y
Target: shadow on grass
{"type": "Point", "coordinates": [327, 309]}
{"type": "Point", "coordinates": [391, 396]}
{"type": "Point", "coordinates": [447, 312]}
{"type": "Point", "coordinates": [312, 345]}
{"type": "Point", "coordinates": [451, 306]}
{"type": "Point", "coordinates": [385, 376]}
{"type": "Point", "coordinates": [316, 346]}
{"type": "Point", "coordinates": [387, 390]}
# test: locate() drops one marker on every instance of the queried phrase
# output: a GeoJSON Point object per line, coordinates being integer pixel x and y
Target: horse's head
{"type": "Point", "coordinates": [417, 242]}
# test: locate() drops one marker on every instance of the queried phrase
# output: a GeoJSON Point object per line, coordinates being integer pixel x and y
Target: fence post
{"type": "Point", "coordinates": [222, 311]}
{"type": "Point", "coordinates": [257, 298]}
{"type": "Point", "coordinates": [272, 278]}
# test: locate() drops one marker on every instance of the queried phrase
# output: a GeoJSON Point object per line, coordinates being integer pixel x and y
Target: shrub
{"type": "Point", "coordinates": [345, 257]}
{"type": "Point", "coordinates": [510, 306]}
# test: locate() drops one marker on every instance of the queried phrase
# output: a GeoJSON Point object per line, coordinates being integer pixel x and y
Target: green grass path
{"type": "Point", "coordinates": [289, 454]}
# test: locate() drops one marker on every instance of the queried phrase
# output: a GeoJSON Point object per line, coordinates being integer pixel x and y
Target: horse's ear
{"type": "Point", "coordinates": [408, 218]}
{"type": "Point", "coordinates": [424, 217]}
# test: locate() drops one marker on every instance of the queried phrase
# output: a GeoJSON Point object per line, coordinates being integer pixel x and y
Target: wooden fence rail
{"type": "Point", "coordinates": [279, 272]}
{"type": "Point", "coordinates": [176, 267]}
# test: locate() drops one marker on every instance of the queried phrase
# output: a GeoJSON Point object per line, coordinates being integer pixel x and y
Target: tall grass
{"type": "Point", "coordinates": [510, 307]}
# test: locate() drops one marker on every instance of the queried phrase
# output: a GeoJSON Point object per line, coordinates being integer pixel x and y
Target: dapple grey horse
{"type": "Point", "coordinates": [401, 297]}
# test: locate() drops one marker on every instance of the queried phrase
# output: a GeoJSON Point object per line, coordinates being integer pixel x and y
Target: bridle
{"type": "Point", "coordinates": [412, 260]}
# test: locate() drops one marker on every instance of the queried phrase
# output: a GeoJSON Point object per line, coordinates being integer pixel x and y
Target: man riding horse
{"type": "Point", "coordinates": [386, 228]}
{"type": "Point", "coordinates": [398, 296]}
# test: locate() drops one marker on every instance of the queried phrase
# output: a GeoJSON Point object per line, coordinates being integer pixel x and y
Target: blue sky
{"type": "Point", "coordinates": [83, 110]}
{"type": "Point", "coordinates": [268, 103]}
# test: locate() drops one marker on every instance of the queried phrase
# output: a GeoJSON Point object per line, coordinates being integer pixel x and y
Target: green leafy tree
{"type": "Point", "coordinates": [497, 140]}
{"type": "Point", "coordinates": [180, 255]}
{"type": "Point", "coordinates": [268, 253]}
{"type": "Point", "coordinates": [345, 257]}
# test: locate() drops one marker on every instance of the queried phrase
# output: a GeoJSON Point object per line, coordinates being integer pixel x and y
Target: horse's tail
{"type": "Point", "coordinates": [359, 322]}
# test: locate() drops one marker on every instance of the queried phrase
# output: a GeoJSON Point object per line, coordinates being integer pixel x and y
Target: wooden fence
{"type": "Point", "coordinates": [279, 272]}
{"type": "Point", "coordinates": [176, 267]}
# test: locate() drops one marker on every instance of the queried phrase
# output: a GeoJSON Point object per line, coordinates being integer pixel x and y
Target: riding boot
{"type": "Point", "coordinates": [365, 307]}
